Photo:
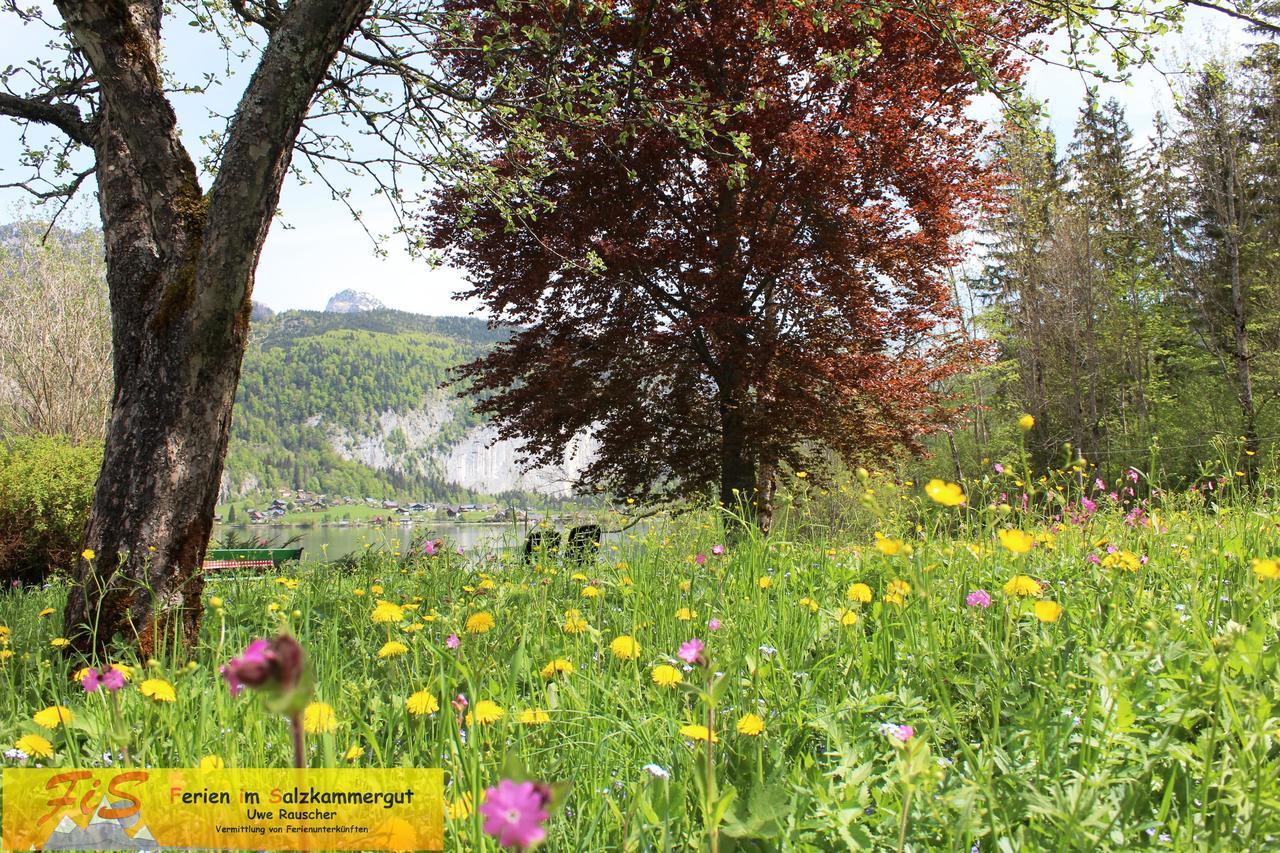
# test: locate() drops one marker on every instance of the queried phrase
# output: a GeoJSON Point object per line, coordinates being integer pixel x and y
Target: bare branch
{"type": "Point", "coordinates": [64, 117]}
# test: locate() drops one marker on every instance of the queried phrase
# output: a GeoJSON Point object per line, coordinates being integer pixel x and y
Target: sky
{"type": "Point", "coordinates": [316, 248]}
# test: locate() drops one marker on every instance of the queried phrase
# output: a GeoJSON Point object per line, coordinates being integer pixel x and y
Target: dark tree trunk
{"type": "Point", "coordinates": [747, 482]}
{"type": "Point", "coordinates": [737, 464]}
{"type": "Point", "coordinates": [180, 275]}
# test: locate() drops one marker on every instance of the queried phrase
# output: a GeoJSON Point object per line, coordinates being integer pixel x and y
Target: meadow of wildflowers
{"type": "Point", "coordinates": [1097, 670]}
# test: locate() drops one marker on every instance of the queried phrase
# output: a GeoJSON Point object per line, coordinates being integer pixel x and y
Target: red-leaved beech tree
{"type": "Point", "coordinates": [738, 264]}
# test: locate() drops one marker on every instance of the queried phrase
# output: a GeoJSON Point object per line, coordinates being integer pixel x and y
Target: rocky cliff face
{"type": "Point", "coordinates": [351, 302]}
{"type": "Point", "coordinates": [418, 440]}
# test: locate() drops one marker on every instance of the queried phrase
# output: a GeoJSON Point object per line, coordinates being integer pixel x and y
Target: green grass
{"type": "Point", "coordinates": [1145, 717]}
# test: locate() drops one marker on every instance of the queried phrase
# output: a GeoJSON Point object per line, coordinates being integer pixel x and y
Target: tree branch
{"type": "Point", "coordinates": [64, 117]}
{"type": "Point", "coordinates": [1230, 11]}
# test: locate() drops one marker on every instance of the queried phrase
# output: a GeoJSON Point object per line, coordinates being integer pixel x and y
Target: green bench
{"type": "Point", "coordinates": [222, 559]}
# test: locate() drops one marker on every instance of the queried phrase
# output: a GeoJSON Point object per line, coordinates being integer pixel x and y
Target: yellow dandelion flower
{"type": "Point", "coordinates": [354, 753]}
{"type": "Point", "coordinates": [59, 642]}
{"type": "Point", "coordinates": [751, 725]}
{"type": "Point", "coordinates": [215, 601]}
{"type": "Point", "coordinates": [559, 666]}
{"type": "Point", "coordinates": [392, 648]}
{"type": "Point", "coordinates": [53, 716]}
{"type": "Point", "coordinates": [1021, 585]}
{"type": "Point", "coordinates": [1026, 422]}
{"type": "Point", "coordinates": [386, 611]}
{"type": "Point", "coordinates": [693, 732]}
{"type": "Point", "coordinates": [461, 807]}
{"type": "Point", "coordinates": [666, 676]}
{"type": "Point", "coordinates": [590, 591]}
{"type": "Point", "coordinates": [685, 586]}
{"type": "Point", "coordinates": [125, 671]}
{"type": "Point", "coordinates": [376, 589]}
{"type": "Point", "coordinates": [1048, 611]}
{"type": "Point", "coordinates": [422, 703]}
{"type": "Point", "coordinates": [318, 719]}
{"type": "Point", "coordinates": [6, 654]}
{"type": "Point", "coordinates": [848, 617]}
{"type": "Point", "coordinates": [88, 554]}
{"type": "Point", "coordinates": [947, 494]}
{"type": "Point", "coordinates": [48, 611]}
{"type": "Point", "coordinates": [212, 762]}
{"type": "Point", "coordinates": [887, 546]}
{"type": "Point", "coordinates": [486, 712]}
{"type": "Point", "coordinates": [765, 582]}
{"type": "Point", "coordinates": [899, 588]}
{"type": "Point", "coordinates": [1266, 569]}
{"type": "Point", "coordinates": [625, 648]}
{"type": "Point", "coordinates": [684, 614]}
{"type": "Point", "coordinates": [479, 623]}
{"type": "Point", "coordinates": [534, 717]}
{"type": "Point", "coordinates": [574, 623]}
{"type": "Point", "coordinates": [158, 690]}
{"type": "Point", "coordinates": [1015, 540]}
{"type": "Point", "coordinates": [859, 592]}
{"type": "Point", "coordinates": [809, 603]}
{"type": "Point", "coordinates": [1124, 560]}
{"type": "Point", "coordinates": [34, 745]}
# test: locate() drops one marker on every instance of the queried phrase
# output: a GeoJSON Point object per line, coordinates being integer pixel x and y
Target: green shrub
{"type": "Point", "coordinates": [46, 487]}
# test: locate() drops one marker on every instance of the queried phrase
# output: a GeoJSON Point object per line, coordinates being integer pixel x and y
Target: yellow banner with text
{"type": "Point", "coordinates": [226, 809]}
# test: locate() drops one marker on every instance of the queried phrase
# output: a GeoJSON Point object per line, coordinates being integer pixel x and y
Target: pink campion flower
{"type": "Point", "coordinates": [112, 679]}
{"type": "Point", "coordinates": [1099, 485]}
{"type": "Point", "coordinates": [978, 598]}
{"type": "Point", "coordinates": [461, 550]}
{"type": "Point", "coordinates": [701, 559]}
{"type": "Point", "coordinates": [691, 652]}
{"type": "Point", "coordinates": [453, 642]}
{"type": "Point", "coordinates": [1132, 474]}
{"type": "Point", "coordinates": [276, 661]}
{"type": "Point", "coordinates": [904, 733]}
{"type": "Point", "coordinates": [718, 550]}
{"type": "Point", "coordinates": [249, 669]}
{"type": "Point", "coordinates": [713, 625]}
{"type": "Point", "coordinates": [89, 681]}
{"type": "Point", "coordinates": [1095, 559]}
{"type": "Point", "coordinates": [1088, 505]}
{"type": "Point", "coordinates": [998, 468]}
{"type": "Point", "coordinates": [429, 548]}
{"type": "Point", "coordinates": [514, 813]}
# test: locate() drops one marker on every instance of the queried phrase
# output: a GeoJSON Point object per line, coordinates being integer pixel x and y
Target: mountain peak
{"type": "Point", "coordinates": [352, 301]}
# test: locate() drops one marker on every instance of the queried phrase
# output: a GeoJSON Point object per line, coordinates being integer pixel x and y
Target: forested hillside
{"type": "Point", "coordinates": [352, 404]}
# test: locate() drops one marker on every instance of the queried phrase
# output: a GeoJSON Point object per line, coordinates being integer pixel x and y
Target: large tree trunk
{"type": "Point", "coordinates": [179, 271]}
{"type": "Point", "coordinates": [737, 464]}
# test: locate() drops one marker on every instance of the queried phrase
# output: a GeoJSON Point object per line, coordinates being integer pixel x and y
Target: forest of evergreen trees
{"type": "Point", "coordinates": [1131, 286]}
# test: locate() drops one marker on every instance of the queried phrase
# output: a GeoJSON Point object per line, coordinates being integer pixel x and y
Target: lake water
{"type": "Point", "coordinates": [321, 543]}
